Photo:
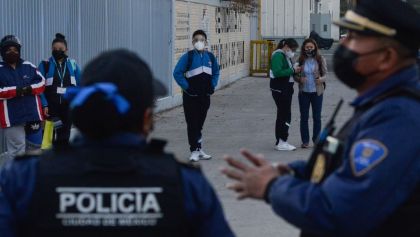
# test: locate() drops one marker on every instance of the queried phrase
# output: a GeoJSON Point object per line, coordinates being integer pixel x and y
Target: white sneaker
{"type": "Point", "coordinates": [203, 155]}
{"type": "Point", "coordinates": [284, 146]}
{"type": "Point", "coordinates": [195, 156]}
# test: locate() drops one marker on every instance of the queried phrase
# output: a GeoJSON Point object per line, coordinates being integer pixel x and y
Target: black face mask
{"type": "Point", "coordinates": [344, 63]}
{"type": "Point", "coordinates": [11, 57]}
{"type": "Point", "coordinates": [310, 53]}
{"type": "Point", "coordinates": [59, 54]}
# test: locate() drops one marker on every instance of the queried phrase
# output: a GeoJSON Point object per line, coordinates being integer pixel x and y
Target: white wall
{"type": "Point", "coordinates": [332, 7]}
{"type": "Point", "coordinates": [229, 36]}
{"type": "Point", "coordinates": [280, 18]}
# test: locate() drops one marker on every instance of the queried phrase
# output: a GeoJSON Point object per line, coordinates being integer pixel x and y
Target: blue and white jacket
{"type": "Point", "coordinates": [20, 110]}
{"type": "Point", "coordinates": [202, 76]}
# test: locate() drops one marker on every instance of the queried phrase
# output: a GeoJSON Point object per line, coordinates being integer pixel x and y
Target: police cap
{"type": "Point", "coordinates": [390, 18]}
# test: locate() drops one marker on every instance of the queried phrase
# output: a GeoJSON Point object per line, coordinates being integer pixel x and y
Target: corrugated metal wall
{"type": "Point", "coordinates": [285, 18]}
{"type": "Point", "coordinates": [92, 26]}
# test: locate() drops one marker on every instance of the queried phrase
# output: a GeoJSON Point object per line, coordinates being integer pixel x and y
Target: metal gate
{"type": "Point", "coordinates": [261, 51]}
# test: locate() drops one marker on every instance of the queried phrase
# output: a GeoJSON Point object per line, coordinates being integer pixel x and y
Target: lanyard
{"type": "Point", "coordinates": [61, 75]}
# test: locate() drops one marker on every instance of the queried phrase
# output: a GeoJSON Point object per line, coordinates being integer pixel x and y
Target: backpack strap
{"type": "Point", "coordinates": [212, 58]}
{"type": "Point", "coordinates": [73, 65]}
{"type": "Point", "coordinates": [46, 65]}
{"type": "Point", "coordinates": [190, 59]}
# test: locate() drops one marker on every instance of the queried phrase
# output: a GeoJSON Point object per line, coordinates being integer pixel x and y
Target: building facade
{"type": "Point", "coordinates": [296, 18]}
{"type": "Point", "coordinates": [228, 32]}
{"type": "Point", "coordinates": [331, 8]}
{"type": "Point", "coordinates": [158, 30]}
{"type": "Point", "coordinates": [285, 18]}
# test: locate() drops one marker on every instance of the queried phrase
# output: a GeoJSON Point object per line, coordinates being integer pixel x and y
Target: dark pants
{"type": "Point", "coordinates": [62, 133]}
{"type": "Point", "coordinates": [305, 101]}
{"type": "Point", "coordinates": [283, 101]}
{"type": "Point", "coordinates": [195, 110]}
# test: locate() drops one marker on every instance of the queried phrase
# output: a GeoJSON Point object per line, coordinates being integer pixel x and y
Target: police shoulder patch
{"type": "Point", "coordinates": [366, 154]}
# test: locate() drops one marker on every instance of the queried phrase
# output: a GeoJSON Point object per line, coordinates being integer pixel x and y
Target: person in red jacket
{"type": "Point", "coordinates": [20, 106]}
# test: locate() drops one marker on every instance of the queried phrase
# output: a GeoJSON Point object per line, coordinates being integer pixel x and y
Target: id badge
{"type": "Point", "coordinates": [61, 90]}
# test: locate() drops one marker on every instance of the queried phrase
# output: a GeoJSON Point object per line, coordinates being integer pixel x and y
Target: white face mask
{"type": "Point", "coordinates": [199, 45]}
{"type": "Point", "coordinates": [290, 54]}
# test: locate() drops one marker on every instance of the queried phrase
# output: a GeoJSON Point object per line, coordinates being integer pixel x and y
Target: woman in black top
{"type": "Point", "coordinates": [60, 72]}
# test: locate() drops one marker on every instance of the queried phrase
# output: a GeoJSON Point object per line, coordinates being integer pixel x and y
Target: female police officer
{"type": "Point", "coordinates": [111, 182]}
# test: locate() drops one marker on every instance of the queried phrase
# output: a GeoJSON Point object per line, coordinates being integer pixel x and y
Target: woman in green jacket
{"type": "Point", "coordinates": [281, 85]}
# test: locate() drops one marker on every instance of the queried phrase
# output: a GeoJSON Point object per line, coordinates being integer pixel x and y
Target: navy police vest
{"type": "Point", "coordinates": [107, 192]}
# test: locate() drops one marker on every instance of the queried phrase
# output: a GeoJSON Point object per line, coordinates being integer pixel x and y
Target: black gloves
{"type": "Point", "coordinates": [19, 91]}
{"type": "Point", "coordinates": [27, 90]}
{"type": "Point", "coordinates": [22, 91]}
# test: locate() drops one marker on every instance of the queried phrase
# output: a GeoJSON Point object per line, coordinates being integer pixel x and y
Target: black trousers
{"type": "Point", "coordinates": [195, 110]}
{"type": "Point", "coordinates": [61, 112]}
{"type": "Point", "coordinates": [283, 99]}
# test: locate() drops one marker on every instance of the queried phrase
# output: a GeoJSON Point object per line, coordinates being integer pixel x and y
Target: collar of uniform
{"type": "Point", "coordinates": [118, 140]}
{"type": "Point", "coordinates": [398, 79]}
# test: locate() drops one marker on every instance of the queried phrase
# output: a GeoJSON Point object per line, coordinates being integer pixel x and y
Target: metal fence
{"type": "Point", "coordinates": [261, 51]}
{"type": "Point", "coordinates": [93, 26]}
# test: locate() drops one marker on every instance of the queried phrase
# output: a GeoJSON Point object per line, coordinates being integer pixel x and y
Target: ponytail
{"type": "Point", "coordinates": [289, 42]}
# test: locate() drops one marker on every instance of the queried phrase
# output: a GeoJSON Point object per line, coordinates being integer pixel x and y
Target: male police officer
{"type": "Point", "coordinates": [365, 181]}
{"type": "Point", "coordinates": [197, 73]}
{"type": "Point", "coordinates": [111, 183]}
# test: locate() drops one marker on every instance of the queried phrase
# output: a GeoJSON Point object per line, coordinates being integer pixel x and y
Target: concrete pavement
{"type": "Point", "coordinates": [243, 115]}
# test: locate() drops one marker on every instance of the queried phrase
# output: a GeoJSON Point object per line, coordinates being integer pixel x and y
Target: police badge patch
{"type": "Point", "coordinates": [366, 154]}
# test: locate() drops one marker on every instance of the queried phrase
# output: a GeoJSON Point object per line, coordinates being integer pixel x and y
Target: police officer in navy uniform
{"type": "Point", "coordinates": [110, 181]}
{"type": "Point", "coordinates": [365, 179]}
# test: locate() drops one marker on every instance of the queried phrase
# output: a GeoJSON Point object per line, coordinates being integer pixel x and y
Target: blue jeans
{"type": "Point", "coordinates": [305, 101]}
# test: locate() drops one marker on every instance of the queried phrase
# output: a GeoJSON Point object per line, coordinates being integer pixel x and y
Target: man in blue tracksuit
{"type": "Point", "coordinates": [364, 180]}
{"type": "Point", "coordinates": [111, 182]}
{"type": "Point", "coordinates": [20, 109]}
{"type": "Point", "coordinates": [197, 73]}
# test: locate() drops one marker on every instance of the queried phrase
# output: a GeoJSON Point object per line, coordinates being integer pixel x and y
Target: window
{"type": "Point", "coordinates": [325, 28]}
